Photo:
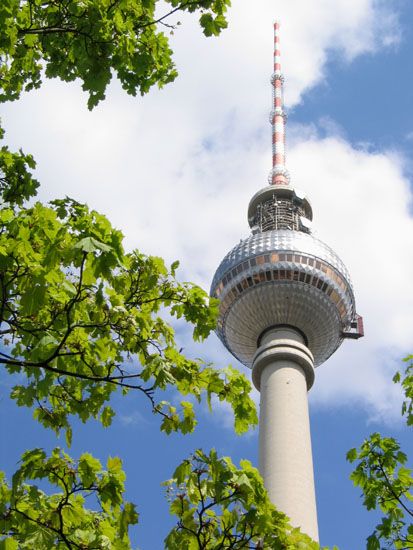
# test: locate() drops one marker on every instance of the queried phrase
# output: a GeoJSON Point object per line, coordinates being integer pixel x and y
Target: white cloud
{"type": "Point", "coordinates": [361, 204]}
{"type": "Point", "coordinates": [133, 419]}
{"type": "Point", "coordinates": [175, 170]}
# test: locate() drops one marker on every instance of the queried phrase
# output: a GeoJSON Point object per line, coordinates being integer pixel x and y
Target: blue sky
{"type": "Point", "coordinates": [203, 145]}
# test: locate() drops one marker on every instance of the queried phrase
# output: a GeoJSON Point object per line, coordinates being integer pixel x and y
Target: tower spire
{"type": "Point", "coordinates": [278, 205]}
{"type": "Point", "coordinates": [279, 174]}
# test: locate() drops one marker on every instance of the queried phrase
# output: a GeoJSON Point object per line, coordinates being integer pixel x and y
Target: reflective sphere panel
{"type": "Point", "coordinates": [282, 277]}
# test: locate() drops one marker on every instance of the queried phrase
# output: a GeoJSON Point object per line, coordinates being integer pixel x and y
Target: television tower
{"type": "Point", "coordinates": [286, 304]}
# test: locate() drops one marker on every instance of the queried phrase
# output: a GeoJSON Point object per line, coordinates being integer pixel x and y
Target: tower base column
{"type": "Point", "coordinates": [283, 372]}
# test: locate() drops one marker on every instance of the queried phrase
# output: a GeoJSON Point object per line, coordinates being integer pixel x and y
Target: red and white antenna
{"type": "Point", "coordinates": [279, 174]}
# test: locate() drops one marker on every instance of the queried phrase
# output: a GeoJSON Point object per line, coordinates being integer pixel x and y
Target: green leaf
{"type": "Point", "coordinates": [373, 543]}
{"type": "Point", "coordinates": [68, 435]}
{"type": "Point", "coordinates": [89, 467]}
{"type": "Point", "coordinates": [106, 417]}
{"type": "Point", "coordinates": [8, 544]}
{"type": "Point", "coordinates": [352, 455]}
{"type": "Point", "coordinates": [182, 471]}
{"type": "Point", "coordinates": [89, 244]}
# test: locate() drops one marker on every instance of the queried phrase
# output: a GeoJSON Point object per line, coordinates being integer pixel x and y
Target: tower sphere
{"type": "Point", "coordinates": [283, 277]}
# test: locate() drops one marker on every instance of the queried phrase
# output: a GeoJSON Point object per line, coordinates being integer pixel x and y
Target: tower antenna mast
{"type": "Point", "coordinates": [279, 174]}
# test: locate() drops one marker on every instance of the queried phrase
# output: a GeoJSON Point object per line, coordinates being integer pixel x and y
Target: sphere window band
{"type": "Point", "coordinates": [286, 275]}
{"type": "Point", "coordinates": [321, 276]}
{"type": "Point", "coordinates": [280, 257]}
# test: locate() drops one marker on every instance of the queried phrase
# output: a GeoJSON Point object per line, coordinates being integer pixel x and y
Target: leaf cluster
{"type": "Point", "coordinates": [386, 483]}
{"type": "Point", "coordinates": [220, 506]}
{"type": "Point", "coordinates": [405, 379]}
{"type": "Point", "coordinates": [90, 40]}
{"type": "Point", "coordinates": [81, 319]}
{"type": "Point", "coordinates": [30, 518]}
{"type": "Point", "coordinates": [17, 183]}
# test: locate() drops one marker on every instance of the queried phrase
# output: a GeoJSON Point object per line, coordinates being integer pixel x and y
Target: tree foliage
{"type": "Point", "coordinates": [220, 506]}
{"type": "Point", "coordinates": [32, 519]}
{"type": "Point", "coordinates": [92, 39]}
{"type": "Point", "coordinates": [386, 481]}
{"type": "Point", "coordinates": [406, 381]}
{"type": "Point", "coordinates": [81, 319]}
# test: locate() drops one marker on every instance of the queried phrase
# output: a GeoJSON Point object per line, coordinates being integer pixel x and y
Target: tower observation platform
{"type": "Point", "coordinates": [286, 304]}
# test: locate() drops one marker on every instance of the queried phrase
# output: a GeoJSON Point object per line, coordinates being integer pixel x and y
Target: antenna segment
{"type": "Point", "coordinates": [279, 174]}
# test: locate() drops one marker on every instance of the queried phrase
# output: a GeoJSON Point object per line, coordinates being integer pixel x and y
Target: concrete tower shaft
{"type": "Point", "coordinates": [283, 372]}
